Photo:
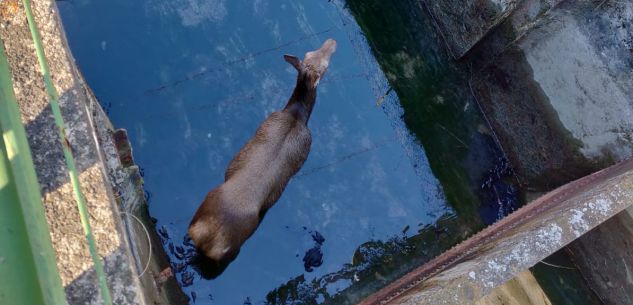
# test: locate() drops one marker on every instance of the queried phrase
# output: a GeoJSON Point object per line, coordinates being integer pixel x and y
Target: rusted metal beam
{"type": "Point", "coordinates": [473, 268]}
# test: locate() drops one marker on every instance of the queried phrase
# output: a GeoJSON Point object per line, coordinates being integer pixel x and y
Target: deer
{"type": "Point", "coordinates": [258, 174]}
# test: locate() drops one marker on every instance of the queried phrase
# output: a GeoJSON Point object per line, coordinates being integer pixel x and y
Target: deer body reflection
{"type": "Point", "coordinates": [258, 174]}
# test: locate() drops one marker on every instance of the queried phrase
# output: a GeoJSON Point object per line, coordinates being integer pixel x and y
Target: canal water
{"type": "Point", "coordinates": [402, 164]}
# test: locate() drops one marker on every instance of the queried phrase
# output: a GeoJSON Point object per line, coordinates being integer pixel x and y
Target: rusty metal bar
{"type": "Point", "coordinates": [473, 268]}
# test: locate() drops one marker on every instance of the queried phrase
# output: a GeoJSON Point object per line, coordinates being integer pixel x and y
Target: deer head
{"type": "Point", "coordinates": [314, 64]}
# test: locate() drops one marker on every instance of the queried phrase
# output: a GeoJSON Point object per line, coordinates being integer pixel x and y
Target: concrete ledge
{"type": "Point", "coordinates": [90, 135]}
{"type": "Point", "coordinates": [605, 256]}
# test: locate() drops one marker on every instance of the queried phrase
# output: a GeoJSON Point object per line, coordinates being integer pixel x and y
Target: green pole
{"type": "Point", "coordinates": [70, 163]}
{"type": "Point", "coordinates": [28, 272]}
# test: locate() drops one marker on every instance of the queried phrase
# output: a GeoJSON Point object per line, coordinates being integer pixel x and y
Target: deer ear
{"type": "Point", "coordinates": [294, 61]}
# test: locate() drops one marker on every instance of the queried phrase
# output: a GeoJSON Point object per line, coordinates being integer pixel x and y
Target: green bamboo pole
{"type": "Point", "coordinates": [70, 163]}
{"type": "Point", "coordinates": [28, 270]}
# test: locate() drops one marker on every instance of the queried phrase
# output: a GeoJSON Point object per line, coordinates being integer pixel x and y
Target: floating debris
{"type": "Point", "coordinates": [318, 238]}
{"type": "Point", "coordinates": [313, 258]}
{"type": "Point", "coordinates": [179, 267]}
{"type": "Point", "coordinates": [187, 241]}
{"type": "Point", "coordinates": [404, 231]}
{"type": "Point", "coordinates": [187, 279]}
{"type": "Point", "coordinates": [163, 232]}
{"type": "Point", "coordinates": [382, 98]}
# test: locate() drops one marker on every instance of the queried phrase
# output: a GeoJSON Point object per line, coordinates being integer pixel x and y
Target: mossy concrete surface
{"type": "Point", "coordinates": [88, 131]}
{"type": "Point", "coordinates": [553, 78]}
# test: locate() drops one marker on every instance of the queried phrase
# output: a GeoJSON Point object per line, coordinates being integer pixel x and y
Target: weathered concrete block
{"type": "Point", "coordinates": [559, 90]}
{"type": "Point", "coordinates": [464, 22]}
{"type": "Point", "coordinates": [543, 153]}
{"type": "Point", "coordinates": [605, 257]}
{"type": "Point", "coordinates": [582, 58]}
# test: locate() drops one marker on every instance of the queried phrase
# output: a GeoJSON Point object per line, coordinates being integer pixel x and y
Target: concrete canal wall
{"type": "Point", "coordinates": [554, 80]}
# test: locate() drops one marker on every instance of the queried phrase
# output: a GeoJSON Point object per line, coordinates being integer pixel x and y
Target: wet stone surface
{"type": "Point", "coordinates": [464, 23]}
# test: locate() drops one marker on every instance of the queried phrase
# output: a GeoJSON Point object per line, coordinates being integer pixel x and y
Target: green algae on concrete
{"type": "Point", "coordinates": [440, 111]}
{"type": "Point", "coordinates": [433, 91]}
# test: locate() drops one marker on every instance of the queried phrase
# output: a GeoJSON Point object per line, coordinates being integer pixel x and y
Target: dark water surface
{"type": "Point", "coordinates": [191, 80]}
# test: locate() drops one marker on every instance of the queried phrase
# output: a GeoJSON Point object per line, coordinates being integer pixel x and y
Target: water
{"type": "Point", "coordinates": [191, 80]}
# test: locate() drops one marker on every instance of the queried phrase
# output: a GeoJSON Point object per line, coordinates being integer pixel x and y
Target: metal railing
{"type": "Point", "coordinates": [27, 260]}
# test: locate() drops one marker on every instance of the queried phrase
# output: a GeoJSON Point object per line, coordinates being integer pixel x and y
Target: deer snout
{"type": "Point", "coordinates": [328, 47]}
{"type": "Point", "coordinates": [319, 60]}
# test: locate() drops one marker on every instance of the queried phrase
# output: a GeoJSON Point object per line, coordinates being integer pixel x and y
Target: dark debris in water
{"type": "Point", "coordinates": [318, 238]}
{"type": "Point", "coordinates": [313, 258]}
{"type": "Point", "coordinates": [163, 232]}
{"type": "Point", "coordinates": [179, 267]}
{"type": "Point", "coordinates": [406, 228]}
{"type": "Point", "coordinates": [186, 241]}
{"type": "Point", "coordinates": [248, 301]}
{"type": "Point", "coordinates": [147, 196]}
{"type": "Point", "coordinates": [170, 246]}
{"type": "Point", "coordinates": [186, 279]}
{"type": "Point", "coordinates": [186, 261]}
{"type": "Point", "coordinates": [500, 196]}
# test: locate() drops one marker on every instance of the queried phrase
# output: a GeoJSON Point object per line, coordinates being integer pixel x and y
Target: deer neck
{"type": "Point", "coordinates": [303, 96]}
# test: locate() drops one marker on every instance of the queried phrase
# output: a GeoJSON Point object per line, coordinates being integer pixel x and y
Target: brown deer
{"type": "Point", "coordinates": [260, 171]}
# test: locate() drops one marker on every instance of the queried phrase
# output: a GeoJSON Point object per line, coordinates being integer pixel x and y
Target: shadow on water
{"type": "Point", "coordinates": [206, 267]}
